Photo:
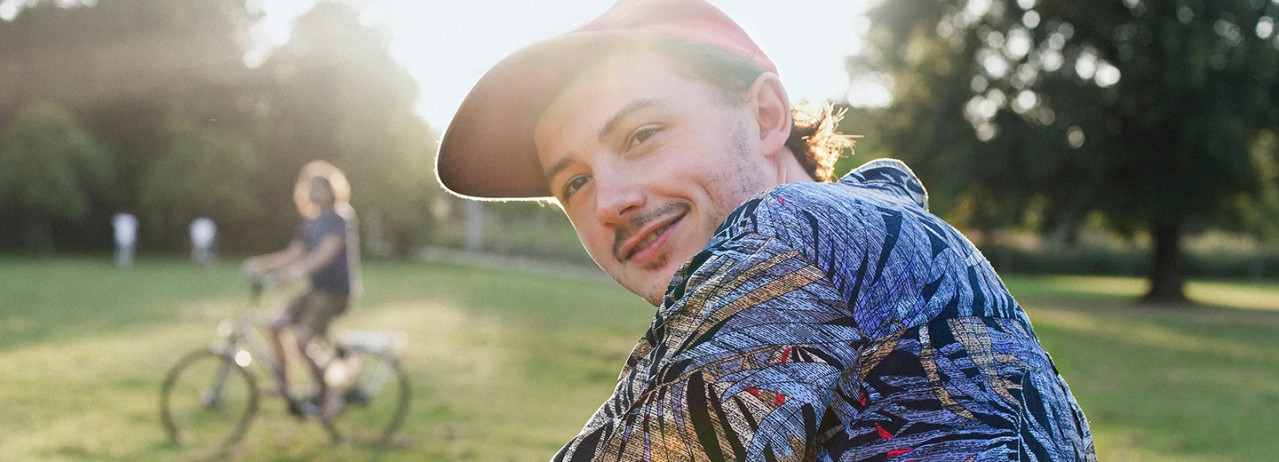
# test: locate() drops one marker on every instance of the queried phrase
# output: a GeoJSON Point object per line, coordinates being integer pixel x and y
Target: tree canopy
{"type": "Point", "coordinates": [203, 172]}
{"type": "Point", "coordinates": [52, 168]}
{"type": "Point", "coordinates": [336, 94]}
{"type": "Point", "coordinates": [1158, 117]}
{"type": "Point", "coordinates": [195, 131]}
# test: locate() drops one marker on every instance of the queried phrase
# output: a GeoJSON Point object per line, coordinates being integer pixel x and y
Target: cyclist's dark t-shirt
{"type": "Point", "coordinates": [336, 276]}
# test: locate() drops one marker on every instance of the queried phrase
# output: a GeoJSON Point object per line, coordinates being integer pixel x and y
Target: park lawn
{"type": "Point", "coordinates": [508, 364]}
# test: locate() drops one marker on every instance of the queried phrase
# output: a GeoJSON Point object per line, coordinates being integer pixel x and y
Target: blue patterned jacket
{"type": "Point", "coordinates": [838, 321]}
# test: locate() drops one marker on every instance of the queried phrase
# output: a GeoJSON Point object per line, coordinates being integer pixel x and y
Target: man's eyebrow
{"type": "Point", "coordinates": [621, 115]}
{"type": "Point", "coordinates": [609, 127]}
{"type": "Point", "coordinates": [557, 168]}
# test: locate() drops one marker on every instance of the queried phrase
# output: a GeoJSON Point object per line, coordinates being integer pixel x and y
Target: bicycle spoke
{"type": "Point", "coordinates": [375, 398]}
{"type": "Point", "coordinates": [207, 401]}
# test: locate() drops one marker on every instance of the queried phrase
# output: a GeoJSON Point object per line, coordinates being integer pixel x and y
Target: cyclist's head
{"type": "Point", "coordinates": [321, 192]}
{"type": "Point", "coordinates": [320, 185]}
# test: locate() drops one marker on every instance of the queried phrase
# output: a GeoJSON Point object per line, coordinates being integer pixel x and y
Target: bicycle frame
{"type": "Point", "coordinates": [361, 366]}
{"type": "Point", "coordinates": [236, 341]}
{"type": "Point", "coordinates": [374, 343]}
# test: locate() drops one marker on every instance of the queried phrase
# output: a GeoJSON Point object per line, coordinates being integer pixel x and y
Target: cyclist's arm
{"type": "Point", "coordinates": [331, 246]}
{"type": "Point", "coordinates": [275, 261]}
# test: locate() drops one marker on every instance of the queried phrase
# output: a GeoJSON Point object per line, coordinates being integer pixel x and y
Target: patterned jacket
{"type": "Point", "coordinates": [838, 321]}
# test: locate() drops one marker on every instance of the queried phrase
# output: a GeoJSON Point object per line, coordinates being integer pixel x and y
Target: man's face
{"type": "Point", "coordinates": [647, 163]}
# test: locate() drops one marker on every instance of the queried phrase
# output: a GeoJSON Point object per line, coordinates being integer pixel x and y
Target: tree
{"type": "Point", "coordinates": [88, 53]}
{"type": "Point", "coordinates": [336, 94]}
{"type": "Point", "coordinates": [204, 172]}
{"type": "Point", "coordinates": [1150, 114]}
{"type": "Point", "coordinates": [126, 67]}
{"type": "Point", "coordinates": [52, 167]}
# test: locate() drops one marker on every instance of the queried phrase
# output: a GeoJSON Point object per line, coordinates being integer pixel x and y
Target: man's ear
{"type": "Point", "coordinates": [772, 112]}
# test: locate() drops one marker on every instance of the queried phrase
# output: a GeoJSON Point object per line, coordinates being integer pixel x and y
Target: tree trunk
{"type": "Point", "coordinates": [1167, 273]}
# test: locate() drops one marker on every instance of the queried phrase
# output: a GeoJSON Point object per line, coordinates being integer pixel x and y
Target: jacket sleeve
{"type": "Point", "coordinates": [739, 365]}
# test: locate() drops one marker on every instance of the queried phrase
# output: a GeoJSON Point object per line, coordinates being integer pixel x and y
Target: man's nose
{"type": "Point", "coordinates": [617, 196]}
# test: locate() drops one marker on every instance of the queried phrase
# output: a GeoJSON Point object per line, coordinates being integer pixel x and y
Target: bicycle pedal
{"type": "Point", "coordinates": [355, 397]}
{"type": "Point", "coordinates": [306, 407]}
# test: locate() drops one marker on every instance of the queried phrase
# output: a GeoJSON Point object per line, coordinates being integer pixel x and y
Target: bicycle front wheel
{"type": "Point", "coordinates": [374, 396]}
{"type": "Point", "coordinates": [207, 401]}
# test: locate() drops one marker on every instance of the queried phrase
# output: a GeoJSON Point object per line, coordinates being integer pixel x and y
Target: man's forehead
{"type": "Point", "coordinates": [611, 76]}
{"type": "Point", "coordinates": [606, 87]}
{"type": "Point", "coordinates": [593, 97]}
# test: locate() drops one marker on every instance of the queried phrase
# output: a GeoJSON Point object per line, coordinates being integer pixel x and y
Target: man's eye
{"type": "Point", "coordinates": [641, 135]}
{"type": "Point", "coordinates": [573, 185]}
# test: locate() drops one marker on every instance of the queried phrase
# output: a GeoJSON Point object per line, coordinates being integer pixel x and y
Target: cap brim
{"type": "Point", "coordinates": [487, 152]}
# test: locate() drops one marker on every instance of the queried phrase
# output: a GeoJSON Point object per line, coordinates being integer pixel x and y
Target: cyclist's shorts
{"type": "Point", "coordinates": [310, 312]}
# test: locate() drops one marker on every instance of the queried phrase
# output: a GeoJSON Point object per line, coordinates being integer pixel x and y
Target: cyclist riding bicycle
{"type": "Point", "coordinates": [325, 250]}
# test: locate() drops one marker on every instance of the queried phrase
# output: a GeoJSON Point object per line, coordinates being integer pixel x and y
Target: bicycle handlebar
{"type": "Point", "coordinates": [258, 283]}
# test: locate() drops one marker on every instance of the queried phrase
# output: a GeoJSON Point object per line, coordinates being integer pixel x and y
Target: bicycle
{"type": "Point", "coordinates": [211, 395]}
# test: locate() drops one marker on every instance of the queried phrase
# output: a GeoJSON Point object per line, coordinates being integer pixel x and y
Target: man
{"type": "Point", "coordinates": [203, 234]}
{"type": "Point", "coordinates": [126, 237]}
{"type": "Point", "coordinates": [326, 251]}
{"type": "Point", "coordinates": [798, 319]}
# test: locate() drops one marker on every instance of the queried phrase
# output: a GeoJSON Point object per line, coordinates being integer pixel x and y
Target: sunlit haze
{"type": "Point", "coordinates": [447, 46]}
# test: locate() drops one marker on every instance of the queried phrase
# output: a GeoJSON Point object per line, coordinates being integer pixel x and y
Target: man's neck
{"type": "Point", "coordinates": [788, 169]}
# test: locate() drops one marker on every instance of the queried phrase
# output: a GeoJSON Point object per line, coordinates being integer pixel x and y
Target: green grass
{"type": "Point", "coordinates": [508, 365]}
{"type": "Point", "coordinates": [1165, 382]}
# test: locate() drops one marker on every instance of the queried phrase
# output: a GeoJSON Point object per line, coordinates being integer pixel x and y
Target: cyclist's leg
{"type": "Point", "coordinates": [288, 316]}
{"type": "Point", "coordinates": [303, 339]}
{"type": "Point", "coordinates": [313, 325]}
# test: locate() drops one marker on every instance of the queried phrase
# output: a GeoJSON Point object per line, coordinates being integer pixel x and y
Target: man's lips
{"type": "Point", "coordinates": [649, 237]}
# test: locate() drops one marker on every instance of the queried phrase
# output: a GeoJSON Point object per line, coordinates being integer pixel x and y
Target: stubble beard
{"type": "Point", "coordinates": [741, 181]}
{"type": "Point", "coordinates": [737, 183]}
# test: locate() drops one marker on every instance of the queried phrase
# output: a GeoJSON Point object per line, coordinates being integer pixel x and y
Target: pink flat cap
{"type": "Point", "coordinates": [488, 152]}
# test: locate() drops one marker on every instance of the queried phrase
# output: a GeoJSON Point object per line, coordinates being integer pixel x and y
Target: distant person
{"type": "Point", "coordinates": [203, 237]}
{"type": "Point", "coordinates": [126, 238]}
{"type": "Point", "coordinates": [326, 251]}
{"type": "Point", "coordinates": [799, 316]}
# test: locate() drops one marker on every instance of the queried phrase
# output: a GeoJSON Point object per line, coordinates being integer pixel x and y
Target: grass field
{"type": "Point", "coordinates": [507, 365]}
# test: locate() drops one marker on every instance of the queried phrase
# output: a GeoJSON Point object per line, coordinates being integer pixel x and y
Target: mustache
{"type": "Point", "coordinates": [638, 221]}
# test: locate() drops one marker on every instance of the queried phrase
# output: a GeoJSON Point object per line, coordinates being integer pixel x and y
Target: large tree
{"type": "Point", "coordinates": [92, 53]}
{"type": "Point", "coordinates": [335, 93]}
{"type": "Point", "coordinates": [51, 169]}
{"type": "Point", "coordinates": [127, 68]}
{"type": "Point", "coordinates": [1158, 116]}
{"type": "Point", "coordinates": [205, 171]}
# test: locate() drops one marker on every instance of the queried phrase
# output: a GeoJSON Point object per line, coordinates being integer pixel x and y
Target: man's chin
{"type": "Point", "coordinates": [653, 298]}
{"type": "Point", "coordinates": [648, 281]}
{"type": "Point", "coordinates": [652, 294]}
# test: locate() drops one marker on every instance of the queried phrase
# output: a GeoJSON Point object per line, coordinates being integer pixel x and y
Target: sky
{"type": "Point", "coordinates": [448, 45]}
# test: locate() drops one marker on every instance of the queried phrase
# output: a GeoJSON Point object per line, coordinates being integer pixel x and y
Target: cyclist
{"type": "Point", "coordinates": [325, 250]}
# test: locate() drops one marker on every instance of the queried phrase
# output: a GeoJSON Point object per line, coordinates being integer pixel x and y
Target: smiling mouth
{"type": "Point", "coordinates": [649, 239]}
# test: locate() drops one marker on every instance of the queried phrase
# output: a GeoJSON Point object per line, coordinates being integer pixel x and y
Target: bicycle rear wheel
{"type": "Point", "coordinates": [375, 396]}
{"type": "Point", "coordinates": [207, 401]}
